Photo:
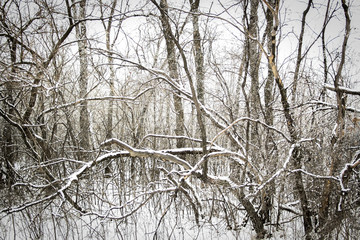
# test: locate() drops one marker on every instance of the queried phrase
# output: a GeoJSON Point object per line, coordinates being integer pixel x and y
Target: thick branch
{"type": "Point", "coordinates": [148, 153]}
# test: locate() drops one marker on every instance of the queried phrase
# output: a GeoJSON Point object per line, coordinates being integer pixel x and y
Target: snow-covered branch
{"type": "Point", "coordinates": [170, 137]}
{"type": "Point", "coordinates": [252, 120]}
{"type": "Point", "coordinates": [148, 153]}
{"type": "Point", "coordinates": [333, 106]}
{"type": "Point", "coordinates": [79, 101]}
{"type": "Point", "coordinates": [343, 89]}
{"type": "Point", "coordinates": [345, 171]}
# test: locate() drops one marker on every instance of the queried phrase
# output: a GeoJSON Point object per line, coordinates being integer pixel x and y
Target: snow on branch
{"type": "Point", "coordinates": [171, 137]}
{"type": "Point", "coordinates": [283, 168]}
{"type": "Point", "coordinates": [344, 176]}
{"type": "Point", "coordinates": [252, 120]}
{"type": "Point", "coordinates": [314, 175]}
{"type": "Point", "coordinates": [148, 153]}
{"type": "Point", "coordinates": [79, 101]}
{"type": "Point", "coordinates": [343, 89]}
{"type": "Point", "coordinates": [344, 173]}
{"type": "Point", "coordinates": [209, 113]}
{"type": "Point", "coordinates": [278, 172]}
{"type": "Point", "coordinates": [333, 106]}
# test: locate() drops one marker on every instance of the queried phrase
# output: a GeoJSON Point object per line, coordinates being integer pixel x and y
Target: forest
{"type": "Point", "coordinates": [190, 119]}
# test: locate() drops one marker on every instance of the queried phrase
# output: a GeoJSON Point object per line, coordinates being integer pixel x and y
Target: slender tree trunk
{"type": "Point", "coordinates": [84, 143]}
{"type": "Point", "coordinates": [8, 141]}
{"type": "Point", "coordinates": [340, 127]}
{"type": "Point", "coordinates": [296, 155]}
{"type": "Point", "coordinates": [255, 219]}
{"type": "Point", "coordinates": [199, 55]}
{"type": "Point", "coordinates": [299, 52]}
{"type": "Point", "coordinates": [109, 48]}
{"type": "Point", "coordinates": [172, 65]}
{"type": "Point", "coordinates": [323, 48]}
{"type": "Point", "coordinates": [268, 193]}
{"type": "Point", "coordinates": [254, 63]}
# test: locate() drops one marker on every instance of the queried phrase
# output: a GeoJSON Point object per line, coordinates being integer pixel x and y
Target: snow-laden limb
{"type": "Point", "coordinates": [238, 157]}
{"type": "Point", "coordinates": [284, 167]}
{"type": "Point", "coordinates": [190, 150]}
{"type": "Point", "coordinates": [332, 106]}
{"type": "Point", "coordinates": [209, 114]}
{"type": "Point", "coordinates": [252, 120]}
{"type": "Point", "coordinates": [79, 101]}
{"type": "Point", "coordinates": [345, 171]}
{"type": "Point", "coordinates": [173, 137]}
{"type": "Point", "coordinates": [344, 176]}
{"type": "Point", "coordinates": [174, 151]}
{"type": "Point", "coordinates": [51, 162]}
{"type": "Point", "coordinates": [343, 89]}
{"type": "Point", "coordinates": [315, 175]}
{"type": "Point", "coordinates": [289, 207]}
{"type": "Point", "coordinates": [277, 173]}
{"type": "Point", "coordinates": [222, 180]}
{"type": "Point", "coordinates": [148, 153]}
{"type": "Point", "coordinates": [27, 204]}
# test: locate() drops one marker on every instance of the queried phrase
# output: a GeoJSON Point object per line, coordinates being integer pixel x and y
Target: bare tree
{"type": "Point", "coordinates": [173, 69]}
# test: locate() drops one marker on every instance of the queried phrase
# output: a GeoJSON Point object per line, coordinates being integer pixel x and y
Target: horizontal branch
{"type": "Point", "coordinates": [251, 120]}
{"type": "Point", "coordinates": [333, 106]}
{"type": "Point", "coordinates": [171, 137]}
{"type": "Point", "coordinates": [148, 153]}
{"type": "Point", "coordinates": [79, 101]}
{"type": "Point", "coordinates": [342, 89]}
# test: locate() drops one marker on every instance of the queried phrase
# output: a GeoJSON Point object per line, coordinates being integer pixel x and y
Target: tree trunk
{"type": "Point", "coordinates": [110, 113]}
{"type": "Point", "coordinates": [340, 127]}
{"type": "Point", "coordinates": [8, 141]}
{"type": "Point", "coordinates": [172, 65]}
{"type": "Point", "coordinates": [199, 56]}
{"type": "Point", "coordinates": [254, 61]}
{"type": "Point", "coordinates": [296, 155]}
{"type": "Point", "coordinates": [268, 193]}
{"type": "Point", "coordinates": [84, 140]}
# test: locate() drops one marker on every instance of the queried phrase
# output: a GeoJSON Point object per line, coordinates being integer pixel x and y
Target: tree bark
{"type": "Point", "coordinates": [109, 48]}
{"type": "Point", "coordinates": [299, 52]}
{"type": "Point", "coordinates": [84, 140]}
{"type": "Point", "coordinates": [254, 61]}
{"type": "Point", "coordinates": [172, 65]}
{"type": "Point", "coordinates": [198, 52]}
{"type": "Point", "coordinates": [8, 148]}
{"type": "Point", "coordinates": [340, 127]}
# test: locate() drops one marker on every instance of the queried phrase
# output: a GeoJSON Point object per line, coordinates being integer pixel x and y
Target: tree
{"type": "Point", "coordinates": [80, 15]}
{"type": "Point", "coordinates": [173, 69]}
